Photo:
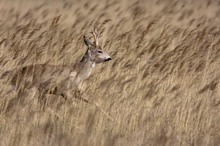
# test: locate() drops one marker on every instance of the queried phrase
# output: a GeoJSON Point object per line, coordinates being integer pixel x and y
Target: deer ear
{"type": "Point", "coordinates": [87, 42]}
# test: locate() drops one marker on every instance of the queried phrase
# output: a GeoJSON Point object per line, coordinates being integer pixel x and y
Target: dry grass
{"type": "Point", "coordinates": [161, 88]}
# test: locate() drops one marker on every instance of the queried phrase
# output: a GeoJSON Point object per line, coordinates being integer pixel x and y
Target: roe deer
{"type": "Point", "coordinates": [64, 79]}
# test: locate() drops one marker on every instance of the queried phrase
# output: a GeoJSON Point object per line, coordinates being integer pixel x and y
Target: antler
{"type": "Point", "coordinates": [95, 35]}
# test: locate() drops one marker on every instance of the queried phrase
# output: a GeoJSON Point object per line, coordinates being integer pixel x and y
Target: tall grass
{"type": "Point", "coordinates": [161, 88]}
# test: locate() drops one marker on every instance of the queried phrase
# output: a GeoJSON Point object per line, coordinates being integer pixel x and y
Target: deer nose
{"type": "Point", "coordinates": [108, 59]}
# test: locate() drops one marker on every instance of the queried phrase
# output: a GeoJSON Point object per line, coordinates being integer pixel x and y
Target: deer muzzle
{"type": "Point", "coordinates": [108, 59]}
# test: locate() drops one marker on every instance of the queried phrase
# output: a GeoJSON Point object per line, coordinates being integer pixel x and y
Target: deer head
{"type": "Point", "coordinates": [94, 50]}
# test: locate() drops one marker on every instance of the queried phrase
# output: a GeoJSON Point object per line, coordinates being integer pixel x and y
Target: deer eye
{"type": "Point", "coordinates": [99, 51]}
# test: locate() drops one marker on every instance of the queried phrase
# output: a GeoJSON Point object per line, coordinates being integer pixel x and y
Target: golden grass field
{"type": "Point", "coordinates": [161, 88]}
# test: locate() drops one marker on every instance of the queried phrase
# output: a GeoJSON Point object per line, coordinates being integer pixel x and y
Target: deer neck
{"type": "Point", "coordinates": [84, 68]}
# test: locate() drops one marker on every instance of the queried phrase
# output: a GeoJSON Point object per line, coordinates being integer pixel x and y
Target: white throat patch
{"type": "Point", "coordinates": [93, 65]}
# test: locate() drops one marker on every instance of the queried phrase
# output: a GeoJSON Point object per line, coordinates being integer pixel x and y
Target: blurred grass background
{"type": "Point", "coordinates": [161, 88]}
